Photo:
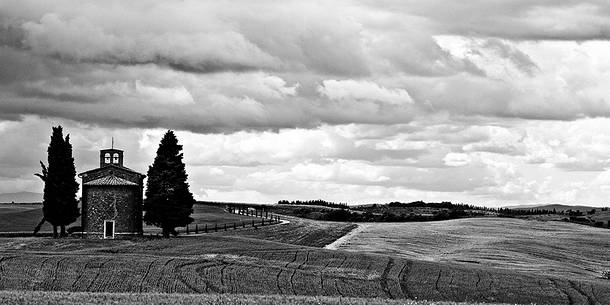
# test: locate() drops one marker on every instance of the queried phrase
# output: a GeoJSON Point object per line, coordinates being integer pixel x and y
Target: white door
{"type": "Point", "coordinates": [109, 229]}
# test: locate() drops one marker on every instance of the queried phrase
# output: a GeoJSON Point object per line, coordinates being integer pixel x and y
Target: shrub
{"type": "Point", "coordinates": [338, 215]}
{"type": "Point", "coordinates": [606, 274]}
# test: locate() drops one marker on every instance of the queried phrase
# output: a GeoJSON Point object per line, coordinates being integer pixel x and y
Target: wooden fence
{"type": "Point", "coordinates": [266, 219]}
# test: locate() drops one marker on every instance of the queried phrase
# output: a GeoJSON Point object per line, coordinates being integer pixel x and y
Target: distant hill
{"type": "Point", "coordinates": [557, 207]}
{"type": "Point", "coordinates": [21, 197]}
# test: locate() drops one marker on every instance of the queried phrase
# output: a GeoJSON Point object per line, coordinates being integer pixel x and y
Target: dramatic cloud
{"type": "Point", "coordinates": [364, 90]}
{"type": "Point", "coordinates": [488, 102]}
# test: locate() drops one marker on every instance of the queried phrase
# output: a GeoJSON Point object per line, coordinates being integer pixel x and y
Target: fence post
{"type": "Point", "coordinates": [243, 224]}
{"type": "Point", "coordinates": [196, 229]}
{"type": "Point", "coordinates": [206, 228]}
{"type": "Point", "coordinates": [253, 223]}
{"type": "Point", "coordinates": [187, 229]}
{"type": "Point", "coordinates": [225, 226]}
{"type": "Point", "coordinates": [215, 227]}
{"type": "Point", "coordinates": [266, 214]}
{"type": "Point", "coordinates": [234, 226]}
{"type": "Point", "coordinates": [262, 221]}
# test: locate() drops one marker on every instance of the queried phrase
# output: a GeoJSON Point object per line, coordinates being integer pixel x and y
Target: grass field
{"type": "Point", "coordinates": [550, 248]}
{"type": "Point", "coordinates": [215, 263]}
{"type": "Point", "coordinates": [24, 217]}
{"type": "Point", "coordinates": [209, 215]}
{"type": "Point", "coordinates": [300, 231]}
{"type": "Point", "coordinates": [491, 260]}
{"type": "Point", "coordinates": [21, 218]}
{"type": "Point", "coordinates": [89, 298]}
{"type": "Point", "coordinates": [603, 216]}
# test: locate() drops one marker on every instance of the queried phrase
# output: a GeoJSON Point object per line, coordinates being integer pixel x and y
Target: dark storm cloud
{"type": "Point", "coordinates": [572, 20]}
{"type": "Point", "coordinates": [157, 64]}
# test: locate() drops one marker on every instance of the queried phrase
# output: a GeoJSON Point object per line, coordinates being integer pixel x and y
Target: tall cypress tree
{"type": "Point", "coordinates": [60, 206]}
{"type": "Point", "coordinates": [168, 203]}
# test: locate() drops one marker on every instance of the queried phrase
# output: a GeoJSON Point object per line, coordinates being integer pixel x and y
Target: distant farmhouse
{"type": "Point", "coordinates": [112, 198]}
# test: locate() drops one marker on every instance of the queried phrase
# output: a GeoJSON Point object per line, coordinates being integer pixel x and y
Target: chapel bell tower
{"type": "Point", "coordinates": [111, 157]}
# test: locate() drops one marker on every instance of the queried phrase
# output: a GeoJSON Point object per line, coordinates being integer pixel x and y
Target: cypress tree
{"type": "Point", "coordinates": [60, 206]}
{"type": "Point", "coordinates": [168, 203]}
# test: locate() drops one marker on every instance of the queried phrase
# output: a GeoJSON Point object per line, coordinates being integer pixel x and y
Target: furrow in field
{"type": "Point", "coordinates": [98, 269]}
{"type": "Point", "coordinates": [295, 270]}
{"type": "Point", "coordinates": [163, 278]}
{"type": "Point", "coordinates": [55, 273]}
{"type": "Point", "coordinates": [337, 280]}
{"type": "Point", "coordinates": [403, 276]}
{"type": "Point", "coordinates": [383, 280]}
{"type": "Point", "coordinates": [144, 278]}
{"type": "Point", "coordinates": [583, 294]}
{"type": "Point", "coordinates": [40, 275]}
{"type": "Point", "coordinates": [190, 274]}
{"type": "Point", "coordinates": [329, 260]}
{"type": "Point", "coordinates": [3, 261]}
{"type": "Point", "coordinates": [278, 278]}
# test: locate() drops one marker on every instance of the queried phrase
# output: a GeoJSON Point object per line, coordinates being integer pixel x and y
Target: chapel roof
{"type": "Point", "coordinates": [110, 180]}
{"type": "Point", "coordinates": [111, 166]}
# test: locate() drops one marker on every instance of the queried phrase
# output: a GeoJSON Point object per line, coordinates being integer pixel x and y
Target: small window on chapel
{"type": "Point", "coordinates": [115, 158]}
{"type": "Point", "coordinates": [107, 158]}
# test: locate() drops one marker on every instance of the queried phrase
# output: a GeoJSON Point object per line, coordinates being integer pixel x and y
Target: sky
{"type": "Point", "coordinates": [485, 102]}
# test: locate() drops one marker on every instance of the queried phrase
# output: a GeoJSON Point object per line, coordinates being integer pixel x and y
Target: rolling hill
{"type": "Point", "coordinates": [557, 207]}
{"type": "Point", "coordinates": [21, 197]}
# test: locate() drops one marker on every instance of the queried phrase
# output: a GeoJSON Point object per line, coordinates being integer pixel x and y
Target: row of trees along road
{"type": "Point", "coordinates": [168, 203]}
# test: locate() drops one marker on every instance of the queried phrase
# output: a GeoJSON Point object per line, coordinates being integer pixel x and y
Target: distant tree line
{"type": "Point", "coordinates": [394, 204]}
{"type": "Point", "coordinates": [416, 211]}
{"type": "Point", "coordinates": [318, 202]}
{"type": "Point", "coordinates": [386, 216]}
{"type": "Point", "coordinates": [435, 205]}
{"type": "Point", "coordinates": [506, 212]}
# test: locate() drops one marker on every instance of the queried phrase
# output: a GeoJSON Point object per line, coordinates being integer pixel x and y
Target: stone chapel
{"type": "Point", "coordinates": [111, 198]}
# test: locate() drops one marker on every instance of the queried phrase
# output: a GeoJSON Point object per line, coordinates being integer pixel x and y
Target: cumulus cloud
{"type": "Point", "coordinates": [360, 57]}
{"type": "Point", "coordinates": [519, 20]}
{"type": "Point", "coordinates": [351, 100]}
{"type": "Point", "coordinates": [80, 40]}
{"type": "Point", "coordinates": [456, 159]}
{"type": "Point", "coordinates": [363, 90]}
